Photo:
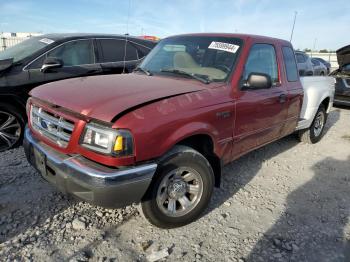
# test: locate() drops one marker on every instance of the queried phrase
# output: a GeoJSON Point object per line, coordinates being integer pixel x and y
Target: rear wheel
{"type": "Point", "coordinates": [314, 133]}
{"type": "Point", "coordinates": [181, 190]}
{"type": "Point", "coordinates": [11, 127]}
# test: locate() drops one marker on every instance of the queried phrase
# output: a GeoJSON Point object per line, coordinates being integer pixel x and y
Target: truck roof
{"type": "Point", "coordinates": [242, 36]}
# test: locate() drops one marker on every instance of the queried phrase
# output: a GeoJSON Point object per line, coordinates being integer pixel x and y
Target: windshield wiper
{"type": "Point", "coordinates": [203, 78]}
{"type": "Point", "coordinates": [140, 69]}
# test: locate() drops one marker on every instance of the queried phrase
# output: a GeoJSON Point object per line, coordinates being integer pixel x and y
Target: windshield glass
{"type": "Point", "coordinates": [346, 68]}
{"type": "Point", "coordinates": [212, 57]}
{"type": "Point", "coordinates": [23, 49]}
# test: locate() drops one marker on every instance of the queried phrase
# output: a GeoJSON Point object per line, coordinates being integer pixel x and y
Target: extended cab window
{"type": "Point", "coordinates": [112, 50]}
{"type": "Point", "coordinates": [262, 59]}
{"type": "Point", "coordinates": [290, 64]}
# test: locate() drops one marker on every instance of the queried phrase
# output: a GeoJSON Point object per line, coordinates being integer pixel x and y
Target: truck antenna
{"type": "Point", "coordinates": [295, 18]}
{"type": "Point", "coordinates": [126, 36]}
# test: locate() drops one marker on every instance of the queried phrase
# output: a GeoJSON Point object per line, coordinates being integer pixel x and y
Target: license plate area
{"type": "Point", "coordinates": [40, 162]}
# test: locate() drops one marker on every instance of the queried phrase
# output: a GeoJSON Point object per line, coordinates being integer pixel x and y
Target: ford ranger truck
{"type": "Point", "coordinates": [161, 135]}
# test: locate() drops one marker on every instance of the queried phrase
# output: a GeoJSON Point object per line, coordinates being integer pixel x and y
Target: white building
{"type": "Point", "coordinates": [18, 34]}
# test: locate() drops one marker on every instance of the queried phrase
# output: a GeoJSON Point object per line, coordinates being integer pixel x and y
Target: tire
{"type": "Point", "coordinates": [164, 205]}
{"type": "Point", "coordinates": [322, 74]}
{"type": "Point", "coordinates": [12, 123]}
{"type": "Point", "coordinates": [314, 133]}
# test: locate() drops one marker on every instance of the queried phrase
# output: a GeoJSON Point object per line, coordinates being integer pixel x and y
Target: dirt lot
{"type": "Point", "coordinates": [285, 202]}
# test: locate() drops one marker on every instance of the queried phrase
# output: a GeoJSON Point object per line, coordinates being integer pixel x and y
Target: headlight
{"type": "Point", "coordinates": [115, 142]}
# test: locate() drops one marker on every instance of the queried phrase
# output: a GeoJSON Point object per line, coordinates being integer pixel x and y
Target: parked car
{"type": "Point", "coordinates": [161, 135]}
{"type": "Point", "coordinates": [326, 63]}
{"type": "Point", "coordinates": [342, 75]}
{"type": "Point", "coordinates": [304, 64]}
{"type": "Point", "coordinates": [52, 57]}
{"type": "Point", "coordinates": [319, 68]}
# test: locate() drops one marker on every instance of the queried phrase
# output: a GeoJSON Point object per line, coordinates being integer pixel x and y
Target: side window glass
{"type": "Point", "coordinates": [74, 53]}
{"type": "Point", "coordinates": [131, 52]}
{"type": "Point", "coordinates": [315, 62]}
{"type": "Point", "coordinates": [300, 58]}
{"type": "Point", "coordinates": [112, 50]}
{"type": "Point", "coordinates": [290, 64]}
{"type": "Point", "coordinates": [141, 51]}
{"type": "Point", "coordinates": [262, 59]}
{"type": "Point", "coordinates": [37, 64]}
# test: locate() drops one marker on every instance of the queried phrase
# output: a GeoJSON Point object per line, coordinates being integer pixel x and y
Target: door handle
{"type": "Point", "coordinates": [282, 98]}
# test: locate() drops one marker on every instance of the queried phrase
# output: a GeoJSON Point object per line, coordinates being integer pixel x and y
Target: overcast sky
{"type": "Point", "coordinates": [326, 21]}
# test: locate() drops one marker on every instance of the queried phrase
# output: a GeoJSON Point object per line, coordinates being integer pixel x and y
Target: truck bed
{"type": "Point", "coordinates": [316, 90]}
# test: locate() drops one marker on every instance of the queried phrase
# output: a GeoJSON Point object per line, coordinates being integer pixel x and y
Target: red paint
{"type": "Point", "coordinates": [256, 117]}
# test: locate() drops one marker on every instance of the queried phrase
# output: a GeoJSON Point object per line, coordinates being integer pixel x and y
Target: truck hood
{"type": "Point", "coordinates": [343, 56]}
{"type": "Point", "coordinates": [105, 97]}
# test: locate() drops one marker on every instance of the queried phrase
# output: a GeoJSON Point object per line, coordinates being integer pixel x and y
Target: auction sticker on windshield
{"type": "Point", "coordinates": [224, 47]}
{"type": "Point", "coordinates": [46, 41]}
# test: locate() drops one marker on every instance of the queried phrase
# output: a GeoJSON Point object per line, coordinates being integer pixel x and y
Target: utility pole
{"type": "Point", "coordinates": [315, 41]}
{"type": "Point", "coordinates": [295, 18]}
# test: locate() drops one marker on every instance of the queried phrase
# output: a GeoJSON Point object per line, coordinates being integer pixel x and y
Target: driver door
{"type": "Point", "coordinates": [260, 113]}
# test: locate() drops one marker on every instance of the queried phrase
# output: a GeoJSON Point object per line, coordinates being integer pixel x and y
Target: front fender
{"type": "Point", "coordinates": [192, 129]}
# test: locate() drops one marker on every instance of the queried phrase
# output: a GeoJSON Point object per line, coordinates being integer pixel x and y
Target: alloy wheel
{"type": "Point", "coordinates": [319, 123]}
{"type": "Point", "coordinates": [10, 130]}
{"type": "Point", "coordinates": [179, 191]}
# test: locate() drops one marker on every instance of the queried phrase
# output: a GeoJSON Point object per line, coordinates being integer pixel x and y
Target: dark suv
{"type": "Point", "coordinates": [52, 57]}
{"type": "Point", "coordinates": [342, 75]}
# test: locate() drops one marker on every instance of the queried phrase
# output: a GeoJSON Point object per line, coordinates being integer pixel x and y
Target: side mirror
{"type": "Point", "coordinates": [50, 63]}
{"type": "Point", "coordinates": [258, 81]}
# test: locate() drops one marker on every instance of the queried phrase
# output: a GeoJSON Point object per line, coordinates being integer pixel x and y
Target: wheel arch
{"type": "Point", "coordinates": [14, 101]}
{"type": "Point", "coordinates": [204, 144]}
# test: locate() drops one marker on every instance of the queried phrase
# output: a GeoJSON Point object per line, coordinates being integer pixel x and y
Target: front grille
{"type": "Point", "coordinates": [55, 128]}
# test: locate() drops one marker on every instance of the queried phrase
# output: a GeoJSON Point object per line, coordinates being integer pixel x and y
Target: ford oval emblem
{"type": "Point", "coordinates": [43, 124]}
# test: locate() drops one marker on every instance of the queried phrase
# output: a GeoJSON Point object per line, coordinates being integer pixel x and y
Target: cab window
{"type": "Point", "coordinates": [290, 64]}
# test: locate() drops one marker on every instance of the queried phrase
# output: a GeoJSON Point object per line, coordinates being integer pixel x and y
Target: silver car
{"type": "Point", "coordinates": [304, 64]}
{"type": "Point", "coordinates": [319, 68]}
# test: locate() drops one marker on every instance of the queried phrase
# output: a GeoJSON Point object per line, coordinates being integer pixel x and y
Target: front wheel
{"type": "Point", "coordinates": [11, 127]}
{"type": "Point", "coordinates": [181, 189]}
{"type": "Point", "coordinates": [314, 133]}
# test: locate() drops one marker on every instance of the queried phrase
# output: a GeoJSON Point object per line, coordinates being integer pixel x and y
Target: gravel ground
{"type": "Point", "coordinates": [284, 202]}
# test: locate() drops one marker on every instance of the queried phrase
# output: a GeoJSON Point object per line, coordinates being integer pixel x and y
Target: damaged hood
{"type": "Point", "coordinates": [104, 97]}
{"type": "Point", "coordinates": [343, 56]}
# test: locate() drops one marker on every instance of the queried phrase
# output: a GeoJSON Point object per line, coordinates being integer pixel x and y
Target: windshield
{"type": "Point", "coordinates": [346, 68]}
{"type": "Point", "coordinates": [210, 57]}
{"type": "Point", "coordinates": [23, 49]}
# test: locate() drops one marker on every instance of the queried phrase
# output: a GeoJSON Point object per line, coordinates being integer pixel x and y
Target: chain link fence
{"type": "Point", "coordinates": [329, 57]}
{"type": "Point", "coordinates": [6, 42]}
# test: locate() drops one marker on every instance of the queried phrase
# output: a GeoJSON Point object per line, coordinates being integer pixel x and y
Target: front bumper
{"type": "Point", "coordinates": [87, 180]}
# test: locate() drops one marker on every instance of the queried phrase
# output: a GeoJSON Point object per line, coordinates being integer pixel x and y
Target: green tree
{"type": "Point", "coordinates": [307, 50]}
{"type": "Point", "coordinates": [323, 51]}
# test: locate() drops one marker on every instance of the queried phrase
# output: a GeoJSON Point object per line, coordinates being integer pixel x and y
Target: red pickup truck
{"type": "Point", "coordinates": [161, 135]}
